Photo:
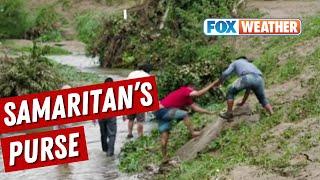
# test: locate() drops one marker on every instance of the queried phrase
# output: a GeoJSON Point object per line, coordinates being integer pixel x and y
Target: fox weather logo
{"type": "Point", "coordinates": [220, 27]}
{"type": "Point", "coordinates": [227, 27]}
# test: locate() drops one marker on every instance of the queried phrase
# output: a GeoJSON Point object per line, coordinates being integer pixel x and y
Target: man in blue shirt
{"type": "Point", "coordinates": [250, 79]}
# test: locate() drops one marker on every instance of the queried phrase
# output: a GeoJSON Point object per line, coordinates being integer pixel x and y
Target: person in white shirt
{"type": "Point", "coordinates": [143, 70]}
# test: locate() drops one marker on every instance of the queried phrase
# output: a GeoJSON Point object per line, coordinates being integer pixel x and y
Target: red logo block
{"type": "Point", "coordinates": [44, 149]}
{"type": "Point", "coordinates": [78, 104]}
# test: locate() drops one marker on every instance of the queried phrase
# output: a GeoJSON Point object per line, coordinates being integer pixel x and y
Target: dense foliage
{"type": "Point", "coordinates": [167, 34]}
{"type": "Point", "coordinates": [87, 26]}
{"type": "Point", "coordinates": [47, 22]}
{"type": "Point", "coordinates": [13, 18]}
{"type": "Point", "coordinates": [165, 31]}
{"type": "Point", "coordinates": [35, 73]}
{"type": "Point", "coordinates": [18, 21]}
{"type": "Point", "coordinates": [27, 74]}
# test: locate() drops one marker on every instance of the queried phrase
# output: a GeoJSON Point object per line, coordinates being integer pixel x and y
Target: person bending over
{"type": "Point", "coordinates": [249, 79]}
{"type": "Point", "coordinates": [173, 106]}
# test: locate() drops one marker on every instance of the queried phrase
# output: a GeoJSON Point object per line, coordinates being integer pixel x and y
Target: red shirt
{"type": "Point", "coordinates": [179, 98]}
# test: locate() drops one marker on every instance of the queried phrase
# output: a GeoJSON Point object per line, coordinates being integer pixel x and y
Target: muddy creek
{"type": "Point", "coordinates": [99, 166]}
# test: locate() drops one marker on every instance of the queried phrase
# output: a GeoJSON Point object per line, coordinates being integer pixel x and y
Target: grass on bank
{"type": "Point", "coordinates": [13, 47]}
{"type": "Point", "coordinates": [246, 143]}
{"type": "Point", "coordinates": [135, 155]}
{"type": "Point", "coordinates": [74, 77]}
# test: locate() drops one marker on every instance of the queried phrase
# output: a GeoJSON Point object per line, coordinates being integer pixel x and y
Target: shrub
{"type": "Point", "coordinates": [27, 74]}
{"type": "Point", "coordinates": [54, 35]}
{"type": "Point", "coordinates": [14, 19]}
{"type": "Point", "coordinates": [180, 48]}
{"type": "Point", "coordinates": [198, 74]}
{"type": "Point", "coordinates": [47, 20]}
{"type": "Point", "coordinates": [87, 26]}
{"type": "Point", "coordinates": [140, 38]}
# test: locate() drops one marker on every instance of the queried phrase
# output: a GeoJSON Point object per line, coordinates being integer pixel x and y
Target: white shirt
{"type": "Point", "coordinates": [137, 74]}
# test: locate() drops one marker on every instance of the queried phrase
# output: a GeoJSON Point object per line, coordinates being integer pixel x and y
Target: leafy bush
{"type": "Point", "coordinates": [53, 36]}
{"type": "Point", "coordinates": [196, 74]}
{"type": "Point", "coordinates": [14, 19]}
{"type": "Point", "coordinates": [180, 48]}
{"type": "Point", "coordinates": [87, 26]}
{"type": "Point", "coordinates": [28, 74]}
{"type": "Point", "coordinates": [47, 20]}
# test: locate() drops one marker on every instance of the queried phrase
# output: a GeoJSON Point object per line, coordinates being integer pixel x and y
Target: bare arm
{"type": "Point", "coordinates": [204, 90]}
{"type": "Point", "coordinates": [199, 109]}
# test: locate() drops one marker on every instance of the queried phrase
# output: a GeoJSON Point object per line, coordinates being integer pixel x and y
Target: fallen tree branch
{"type": "Point", "coordinates": [212, 131]}
{"type": "Point", "coordinates": [164, 18]}
{"type": "Point", "coordinates": [236, 6]}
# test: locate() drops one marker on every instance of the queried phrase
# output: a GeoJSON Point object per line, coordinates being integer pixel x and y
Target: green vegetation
{"type": "Point", "coordinates": [249, 144]}
{"type": "Point", "coordinates": [140, 39]}
{"type": "Point", "coordinates": [111, 2]}
{"type": "Point", "coordinates": [287, 47]}
{"type": "Point", "coordinates": [166, 34]}
{"type": "Point", "coordinates": [46, 23]}
{"type": "Point", "coordinates": [17, 21]}
{"type": "Point", "coordinates": [136, 155]}
{"type": "Point", "coordinates": [27, 74]}
{"type": "Point", "coordinates": [13, 19]}
{"type": "Point", "coordinates": [55, 50]}
{"type": "Point", "coordinates": [87, 26]}
{"type": "Point", "coordinates": [34, 73]}
{"type": "Point", "coordinates": [17, 49]}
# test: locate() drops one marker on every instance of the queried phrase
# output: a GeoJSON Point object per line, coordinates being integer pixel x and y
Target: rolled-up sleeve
{"type": "Point", "coordinates": [227, 72]}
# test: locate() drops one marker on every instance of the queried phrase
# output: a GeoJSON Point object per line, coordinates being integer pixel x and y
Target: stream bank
{"type": "Point", "coordinates": [98, 166]}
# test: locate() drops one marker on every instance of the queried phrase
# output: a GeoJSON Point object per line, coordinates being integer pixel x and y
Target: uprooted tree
{"type": "Point", "coordinates": [212, 131]}
{"type": "Point", "coordinates": [167, 34]}
{"type": "Point", "coordinates": [157, 31]}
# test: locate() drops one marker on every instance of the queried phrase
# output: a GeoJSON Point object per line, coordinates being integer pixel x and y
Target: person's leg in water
{"type": "Point", "coordinates": [140, 129]}
{"type": "Point", "coordinates": [111, 134]}
{"type": "Point", "coordinates": [130, 128]}
{"type": "Point", "coordinates": [103, 133]}
{"type": "Point", "coordinates": [140, 120]}
{"type": "Point", "coordinates": [130, 125]}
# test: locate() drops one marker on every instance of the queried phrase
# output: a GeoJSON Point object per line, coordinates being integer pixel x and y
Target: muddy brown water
{"type": "Point", "coordinates": [98, 166]}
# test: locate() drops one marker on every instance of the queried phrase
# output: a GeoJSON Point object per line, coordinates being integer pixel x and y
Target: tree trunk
{"type": "Point", "coordinates": [212, 131]}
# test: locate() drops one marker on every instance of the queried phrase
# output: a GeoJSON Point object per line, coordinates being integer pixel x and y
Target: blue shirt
{"type": "Point", "coordinates": [240, 67]}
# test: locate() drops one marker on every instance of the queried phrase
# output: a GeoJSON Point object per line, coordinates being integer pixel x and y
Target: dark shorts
{"type": "Point", "coordinates": [252, 82]}
{"type": "Point", "coordinates": [165, 116]}
{"type": "Point", "coordinates": [139, 117]}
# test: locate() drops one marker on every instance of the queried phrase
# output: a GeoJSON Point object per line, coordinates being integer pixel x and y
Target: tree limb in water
{"type": "Point", "coordinates": [212, 131]}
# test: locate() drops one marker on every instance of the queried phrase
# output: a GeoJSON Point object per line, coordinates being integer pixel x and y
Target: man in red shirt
{"type": "Point", "coordinates": [173, 106]}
